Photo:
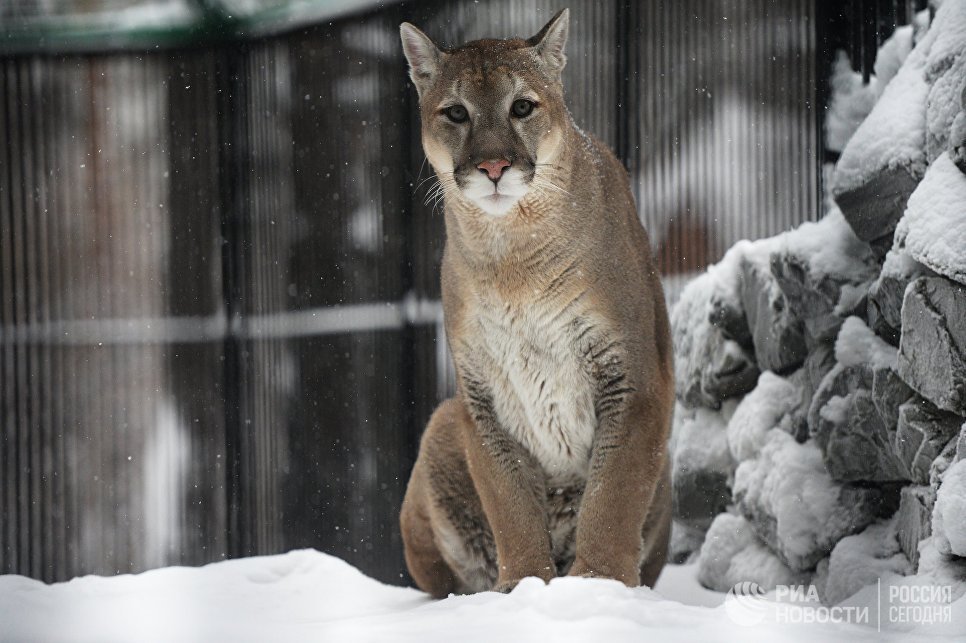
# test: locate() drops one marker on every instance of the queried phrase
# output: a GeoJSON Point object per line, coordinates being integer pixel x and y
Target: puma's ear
{"type": "Point", "coordinates": [423, 56]}
{"type": "Point", "coordinates": [550, 41]}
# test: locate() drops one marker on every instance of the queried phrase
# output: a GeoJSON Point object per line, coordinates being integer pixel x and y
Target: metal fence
{"type": "Point", "coordinates": [219, 322]}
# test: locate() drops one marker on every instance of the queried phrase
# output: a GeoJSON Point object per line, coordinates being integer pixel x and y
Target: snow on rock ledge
{"type": "Point", "coordinates": [886, 157]}
{"type": "Point", "coordinates": [769, 406]}
{"type": "Point", "coordinates": [777, 332]}
{"type": "Point", "coordinates": [823, 270]}
{"type": "Point", "coordinates": [949, 516]}
{"type": "Point", "coordinates": [852, 99]}
{"type": "Point", "coordinates": [709, 364]}
{"type": "Point", "coordinates": [884, 309]}
{"type": "Point", "coordinates": [795, 506]}
{"type": "Point", "coordinates": [910, 125]}
{"type": "Point", "coordinates": [703, 468]}
{"type": "Point", "coordinates": [732, 554]}
{"type": "Point", "coordinates": [933, 230]}
{"type": "Point", "coordinates": [855, 435]}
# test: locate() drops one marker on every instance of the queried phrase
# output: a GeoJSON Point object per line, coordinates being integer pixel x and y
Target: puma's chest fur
{"type": "Point", "coordinates": [543, 393]}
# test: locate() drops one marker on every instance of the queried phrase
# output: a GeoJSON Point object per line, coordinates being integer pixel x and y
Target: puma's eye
{"type": "Point", "coordinates": [456, 113]}
{"type": "Point", "coordinates": [522, 108]}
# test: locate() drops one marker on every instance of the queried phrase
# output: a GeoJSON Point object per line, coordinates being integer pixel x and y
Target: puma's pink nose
{"type": "Point", "coordinates": [494, 169]}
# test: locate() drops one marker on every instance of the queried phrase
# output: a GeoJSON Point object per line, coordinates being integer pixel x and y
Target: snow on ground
{"type": "Point", "coordinates": [861, 559]}
{"type": "Point", "coordinates": [309, 596]}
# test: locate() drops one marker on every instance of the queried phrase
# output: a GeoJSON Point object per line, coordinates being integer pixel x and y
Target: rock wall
{"type": "Point", "coordinates": [820, 431]}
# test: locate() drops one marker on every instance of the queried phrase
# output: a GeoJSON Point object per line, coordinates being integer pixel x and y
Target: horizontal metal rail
{"type": "Point", "coordinates": [333, 320]}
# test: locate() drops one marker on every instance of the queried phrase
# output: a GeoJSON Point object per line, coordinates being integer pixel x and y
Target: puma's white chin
{"type": "Point", "coordinates": [496, 199]}
{"type": "Point", "coordinates": [496, 204]}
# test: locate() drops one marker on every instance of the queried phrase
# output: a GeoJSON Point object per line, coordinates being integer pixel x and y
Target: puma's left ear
{"type": "Point", "coordinates": [423, 56]}
{"type": "Point", "coordinates": [550, 41]}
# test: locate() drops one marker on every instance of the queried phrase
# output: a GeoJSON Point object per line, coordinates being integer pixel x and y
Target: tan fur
{"type": "Point", "coordinates": [552, 458]}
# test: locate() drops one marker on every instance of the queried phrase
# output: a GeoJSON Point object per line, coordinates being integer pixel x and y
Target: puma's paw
{"type": "Point", "coordinates": [629, 574]}
{"type": "Point", "coordinates": [507, 586]}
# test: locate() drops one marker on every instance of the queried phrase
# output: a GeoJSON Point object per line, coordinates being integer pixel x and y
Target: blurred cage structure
{"type": "Point", "coordinates": [220, 332]}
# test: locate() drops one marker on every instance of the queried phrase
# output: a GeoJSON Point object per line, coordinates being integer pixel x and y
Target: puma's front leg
{"type": "Point", "coordinates": [512, 490]}
{"type": "Point", "coordinates": [625, 468]}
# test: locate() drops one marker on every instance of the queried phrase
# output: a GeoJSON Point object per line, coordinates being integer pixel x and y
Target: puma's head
{"type": "Point", "coordinates": [493, 114]}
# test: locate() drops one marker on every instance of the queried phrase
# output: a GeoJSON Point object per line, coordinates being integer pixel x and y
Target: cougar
{"type": "Point", "coordinates": [552, 457]}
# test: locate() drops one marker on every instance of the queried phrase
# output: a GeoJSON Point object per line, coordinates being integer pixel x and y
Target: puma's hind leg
{"type": "Point", "coordinates": [657, 530]}
{"type": "Point", "coordinates": [448, 544]}
{"type": "Point", "coordinates": [423, 559]}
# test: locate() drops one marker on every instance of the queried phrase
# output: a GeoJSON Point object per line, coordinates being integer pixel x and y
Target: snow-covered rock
{"type": "Point", "coordinates": [940, 570]}
{"type": "Point", "coordinates": [885, 159]}
{"type": "Point", "coordinates": [944, 104]}
{"type": "Point", "coordinates": [856, 442]}
{"type": "Point", "coordinates": [795, 506]}
{"type": "Point", "coordinates": [856, 445]}
{"type": "Point", "coordinates": [950, 37]}
{"type": "Point", "coordinates": [961, 445]}
{"type": "Point", "coordinates": [818, 363]}
{"type": "Point", "coordinates": [933, 229]}
{"type": "Point", "coordinates": [771, 405]}
{"type": "Point", "coordinates": [685, 543]}
{"type": "Point", "coordinates": [863, 559]}
{"type": "Point", "coordinates": [702, 466]}
{"type": "Point", "coordinates": [914, 519]}
{"type": "Point", "coordinates": [949, 516]}
{"type": "Point", "coordinates": [852, 99]}
{"type": "Point", "coordinates": [727, 313]}
{"type": "Point", "coordinates": [733, 554]}
{"type": "Point", "coordinates": [889, 392]}
{"type": "Point", "coordinates": [909, 126]}
{"type": "Point", "coordinates": [823, 270]}
{"type": "Point", "coordinates": [708, 366]}
{"type": "Point", "coordinates": [945, 459]}
{"type": "Point", "coordinates": [857, 345]}
{"type": "Point", "coordinates": [825, 438]}
{"type": "Point", "coordinates": [776, 330]}
{"type": "Point", "coordinates": [932, 349]}
{"type": "Point", "coordinates": [888, 290]}
{"type": "Point", "coordinates": [957, 138]}
{"type": "Point", "coordinates": [922, 432]}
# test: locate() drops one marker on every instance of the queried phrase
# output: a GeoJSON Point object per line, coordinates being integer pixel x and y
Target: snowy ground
{"type": "Point", "coordinates": [309, 596]}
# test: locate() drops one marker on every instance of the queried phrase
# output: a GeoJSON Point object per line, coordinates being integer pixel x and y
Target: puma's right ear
{"type": "Point", "coordinates": [549, 43]}
{"type": "Point", "coordinates": [423, 56]}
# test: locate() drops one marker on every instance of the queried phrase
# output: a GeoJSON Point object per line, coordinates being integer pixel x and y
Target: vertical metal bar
{"type": "Point", "coordinates": [233, 145]}
{"type": "Point", "coordinates": [20, 292]}
{"type": "Point", "coordinates": [32, 267]}
{"type": "Point", "coordinates": [8, 443]}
